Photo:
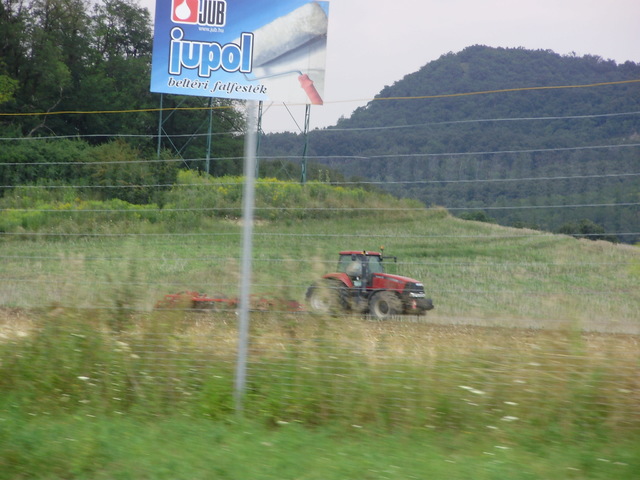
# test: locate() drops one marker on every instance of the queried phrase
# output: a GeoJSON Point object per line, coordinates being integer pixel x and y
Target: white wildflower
{"type": "Point", "coordinates": [472, 390]}
{"type": "Point", "coordinates": [509, 418]}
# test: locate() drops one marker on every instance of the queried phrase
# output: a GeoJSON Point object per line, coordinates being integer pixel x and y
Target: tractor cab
{"type": "Point", "coordinates": [360, 266]}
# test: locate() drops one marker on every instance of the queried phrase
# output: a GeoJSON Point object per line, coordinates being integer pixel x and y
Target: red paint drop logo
{"type": "Point", "coordinates": [184, 11]}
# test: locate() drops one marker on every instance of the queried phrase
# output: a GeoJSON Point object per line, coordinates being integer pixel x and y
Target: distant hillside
{"type": "Point", "coordinates": [504, 155]}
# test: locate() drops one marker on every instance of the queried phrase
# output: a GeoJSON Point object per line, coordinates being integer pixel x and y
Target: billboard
{"type": "Point", "coordinates": [242, 49]}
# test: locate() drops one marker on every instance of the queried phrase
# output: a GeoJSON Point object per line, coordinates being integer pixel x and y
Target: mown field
{"type": "Point", "coordinates": [527, 368]}
{"type": "Point", "coordinates": [470, 269]}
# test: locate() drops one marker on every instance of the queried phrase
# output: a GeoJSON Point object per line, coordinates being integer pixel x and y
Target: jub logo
{"type": "Point", "coordinates": [199, 12]}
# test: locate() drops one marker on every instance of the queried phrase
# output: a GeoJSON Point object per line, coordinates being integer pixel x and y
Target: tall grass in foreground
{"type": "Point", "coordinates": [325, 371]}
{"type": "Point", "coordinates": [87, 395]}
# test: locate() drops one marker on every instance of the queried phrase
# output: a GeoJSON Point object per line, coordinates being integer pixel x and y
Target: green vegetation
{"type": "Point", "coordinates": [70, 68]}
{"type": "Point", "coordinates": [508, 154]}
{"type": "Point", "coordinates": [527, 368]}
{"type": "Point", "coordinates": [155, 401]}
{"type": "Point", "coordinates": [184, 448]}
{"type": "Point", "coordinates": [532, 156]}
{"type": "Point", "coordinates": [517, 273]}
{"type": "Point", "coordinates": [98, 384]}
{"type": "Point", "coordinates": [190, 200]}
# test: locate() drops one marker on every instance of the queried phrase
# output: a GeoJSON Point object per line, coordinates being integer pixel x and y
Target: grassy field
{"type": "Point", "coordinates": [528, 368]}
{"type": "Point", "coordinates": [183, 448]}
{"type": "Point", "coordinates": [327, 398]}
{"type": "Point", "coordinates": [470, 269]}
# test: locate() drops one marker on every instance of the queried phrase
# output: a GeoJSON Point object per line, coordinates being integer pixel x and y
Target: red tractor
{"type": "Point", "coordinates": [361, 286]}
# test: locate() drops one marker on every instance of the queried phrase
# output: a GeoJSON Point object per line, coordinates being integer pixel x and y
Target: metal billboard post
{"type": "Point", "coordinates": [208, 163]}
{"type": "Point", "coordinates": [248, 203]}
{"type": "Point", "coordinates": [259, 129]}
{"type": "Point", "coordinates": [160, 120]}
{"type": "Point", "coordinates": [303, 166]}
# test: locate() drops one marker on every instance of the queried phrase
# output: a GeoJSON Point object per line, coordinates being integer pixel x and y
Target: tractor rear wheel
{"type": "Point", "coordinates": [384, 305]}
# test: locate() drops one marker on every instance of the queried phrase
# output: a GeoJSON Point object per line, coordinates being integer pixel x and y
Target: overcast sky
{"type": "Point", "coordinates": [373, 43]}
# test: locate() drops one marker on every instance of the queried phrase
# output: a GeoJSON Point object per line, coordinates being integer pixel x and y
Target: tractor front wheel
{"type": "Point", "coordinates": [384, 305]}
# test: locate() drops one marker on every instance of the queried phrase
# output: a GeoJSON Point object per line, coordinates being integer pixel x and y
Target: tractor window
{"type": "Point", "coordinates": [344, 262]}
{"type": "Point", "coordinates": [375, 265]}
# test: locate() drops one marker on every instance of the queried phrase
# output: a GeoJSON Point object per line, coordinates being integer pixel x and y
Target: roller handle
{"type": "Point", "coordinates": [307, 84]}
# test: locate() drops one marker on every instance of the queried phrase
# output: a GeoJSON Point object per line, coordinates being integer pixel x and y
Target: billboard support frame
{"type": "Point", "coordinates": [307, 116]}
{"type": "Point", "coordinates": [162, 133]}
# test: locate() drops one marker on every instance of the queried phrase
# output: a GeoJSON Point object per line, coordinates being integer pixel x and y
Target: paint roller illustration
{"type": "Point", "coordinates": [288, 37]}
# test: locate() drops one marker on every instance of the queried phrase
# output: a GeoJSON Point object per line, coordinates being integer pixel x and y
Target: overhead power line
{"type": "Point", "coordinates": [345, 157]}
{"type": "Point", "coordinates": [97, 112]}
{"type": "Point", "coordinates": [461, 154]}
{"type": "Point", "coordinates": [532, 234]}
{"type": "Point", "coordinates": [507, 90]}
{"type": "Point", "coordinates": [216, 258]}
{"type": "Point", "coordinates": [336, 129]}
{"type": "Point", "coordinates": [313, 209]}
{"type": "Point", "coordinates": [414, 97]}
{"type": "Point", "coordinates": [479, 120]}
{"type": "Point", "coordinates": [118, 135]}
{"type": "Point", "coordinates": [389, 182]}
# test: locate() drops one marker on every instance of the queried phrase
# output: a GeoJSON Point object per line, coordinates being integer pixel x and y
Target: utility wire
{"type": "Point", "coordinates": [312, 209]}
{"type": "Point", "coordinates": [342, 157]}
{"type": "Point", "coordinates": [507, 90]}
{"type": "Point", "coordinates": [375, 99]}
{"type": "Point", "coordinates": [202, 258]}
{"type": "Point", "coordinates": [475, 153]}
{"type": "Point", "coordinates": [390, 182]}
{"type": "Point", "coordinates": [532, 234]}
{"type": "Point", "coordinates": [119, 135]}
{"type": "Point", "coordinates": [480, 120]}
{"type": "Point", "coordinates": [336, 129]}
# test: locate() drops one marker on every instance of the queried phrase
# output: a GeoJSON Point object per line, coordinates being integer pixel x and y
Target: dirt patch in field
{"type": "Point", "coordinates": [600, 325]}
{"type": "Point", "coordinates": [418, 338]}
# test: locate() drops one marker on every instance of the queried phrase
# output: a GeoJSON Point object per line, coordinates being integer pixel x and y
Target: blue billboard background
{"type": "Point", "coordinates": [242, 49]}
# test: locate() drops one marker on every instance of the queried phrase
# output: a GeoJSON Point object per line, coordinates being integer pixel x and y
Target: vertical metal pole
{"type": "Point", "coordinates": [208, 166]}
{"type": "Point", "coordinates": [160, 126]}
{"type": "Point", "coordinates": [248, 202]}
{"type": "Point", "coordinates": [307, 114]}
{"type": "Point", "coordinates": [259, 129]}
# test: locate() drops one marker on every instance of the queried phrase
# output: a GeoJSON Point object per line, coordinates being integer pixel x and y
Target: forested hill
{"type": "Point", "coordinates": [528, 138]}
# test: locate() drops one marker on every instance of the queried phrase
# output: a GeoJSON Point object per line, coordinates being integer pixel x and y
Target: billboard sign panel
{"type": "Point", "coordinates": [241, 49]}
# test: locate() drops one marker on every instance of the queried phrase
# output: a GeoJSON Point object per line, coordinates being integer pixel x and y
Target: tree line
{"type": "Point", "coordinates": [94, 58]}
{"type": "Point", "coordinates": [505, 154]}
